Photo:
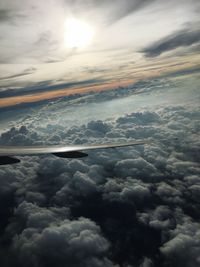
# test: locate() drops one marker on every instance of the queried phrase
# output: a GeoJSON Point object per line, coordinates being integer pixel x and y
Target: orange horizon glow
{"type": "Point", "coordinates": [32, 98]}
{"type": "Point", "coordinates": [48, 95]}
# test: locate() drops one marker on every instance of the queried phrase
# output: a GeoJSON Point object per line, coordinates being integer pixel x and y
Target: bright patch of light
{"type": "Point", "coordinates": [78, 33]}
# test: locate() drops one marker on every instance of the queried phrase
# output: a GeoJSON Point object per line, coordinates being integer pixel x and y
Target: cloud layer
{"type": "Point", "coordinates": [136, 206]}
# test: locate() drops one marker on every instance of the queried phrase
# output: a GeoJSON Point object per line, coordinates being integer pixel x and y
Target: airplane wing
{"type": "Point", "coordinates": [70, 151]}
{"type": "Point", "coordinates": [34, 150]}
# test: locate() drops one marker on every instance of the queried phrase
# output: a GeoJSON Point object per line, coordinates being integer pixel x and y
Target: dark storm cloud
{"type": "Point", "coordinates": [182, 38]}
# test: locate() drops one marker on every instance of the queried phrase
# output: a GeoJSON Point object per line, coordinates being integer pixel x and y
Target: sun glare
{"type": "Point", "coordinates": [78, 33]}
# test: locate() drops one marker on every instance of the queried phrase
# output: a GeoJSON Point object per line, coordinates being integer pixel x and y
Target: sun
{"type": "Point", "coordinates": [78, 33]}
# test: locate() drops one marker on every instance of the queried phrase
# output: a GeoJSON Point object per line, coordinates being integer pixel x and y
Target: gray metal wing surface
{"type": "Point", "coordinates": [35, 150]}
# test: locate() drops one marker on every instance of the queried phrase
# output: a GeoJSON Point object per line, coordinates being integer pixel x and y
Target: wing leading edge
{"type": "Point", "coordinates": [35, 150]}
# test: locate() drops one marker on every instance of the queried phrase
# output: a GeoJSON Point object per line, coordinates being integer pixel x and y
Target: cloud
{"type": "Point", "coordinates": [184, 244]}
{"type": "Point", "coordinates": [127, 8]}
{"type": "Point", "coordinates": [10, 15]}
{"type": "Point", "coordinates": [33, 45]}
{"type": "Point", "coordinates": [5, 15]}
{"type": "Point", "coordinates": [44, 86]}
{"type": "Point", "coordinates": [18, 136]}
{"type": "Point", "coordinates": [25, 72]}
{"type": "Point", "coordinates": [134, 206]}
{"type": "Point", "coordinates": [115, 10]}
{"type": "Point", "coordinates": [73, 242]}
{"type": "Point", "coordinates": [176, 40]}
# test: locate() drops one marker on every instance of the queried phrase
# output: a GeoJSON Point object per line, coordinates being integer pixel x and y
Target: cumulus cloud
{"type": "Point", "coordinates": [76, 243]}
{"type": "Point", "coordinates": [184, 244]}
{"type": "Point", "coordinates": [17, 136]}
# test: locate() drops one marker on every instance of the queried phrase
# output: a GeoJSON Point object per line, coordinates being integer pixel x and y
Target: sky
{"type": "Point", "coordinates": [128, 41]}
{"type": "Point", "coordinates": [134, 74]}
